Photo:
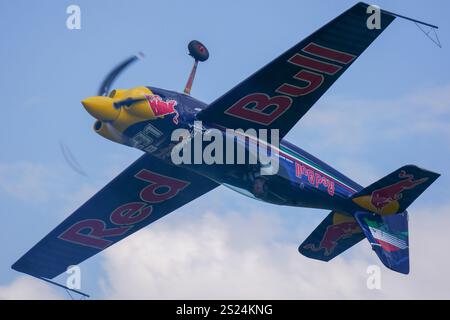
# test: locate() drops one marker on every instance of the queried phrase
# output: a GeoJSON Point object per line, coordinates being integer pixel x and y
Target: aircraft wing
{"type": "Point", "coordinates": [146, 191]}
{"type": "Point", "coordinates": [335, 234]}
{"type": "Point", "coordinates": [280, 93]}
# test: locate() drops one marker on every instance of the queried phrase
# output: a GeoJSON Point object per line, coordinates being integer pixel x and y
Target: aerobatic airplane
{"type": "Point", "coordinates": [275, 98]}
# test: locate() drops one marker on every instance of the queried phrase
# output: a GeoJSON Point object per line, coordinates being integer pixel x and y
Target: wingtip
{"type": "Point", "coordinates": [140, 55]}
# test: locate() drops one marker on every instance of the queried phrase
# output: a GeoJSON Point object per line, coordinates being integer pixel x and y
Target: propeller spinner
{"type": "Point", "coordinates": [115, 110]}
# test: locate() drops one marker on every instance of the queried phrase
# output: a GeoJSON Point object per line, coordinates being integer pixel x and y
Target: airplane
{"type": "Point", "coordinates": [274, 98]}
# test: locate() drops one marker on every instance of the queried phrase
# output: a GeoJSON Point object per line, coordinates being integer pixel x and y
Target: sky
{"type": "Point", "coordinates": [391, 108]}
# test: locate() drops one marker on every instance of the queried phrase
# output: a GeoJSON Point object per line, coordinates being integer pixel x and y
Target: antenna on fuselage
{"type": "Point", "coordinates": [199, 52]}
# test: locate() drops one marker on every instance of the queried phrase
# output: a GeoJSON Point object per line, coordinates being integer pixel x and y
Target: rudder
{"type": "Point", "coordinates": [389, 238]}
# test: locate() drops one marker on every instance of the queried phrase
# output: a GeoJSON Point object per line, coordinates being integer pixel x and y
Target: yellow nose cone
{"type": "Point", "coordinates": [101, 108]}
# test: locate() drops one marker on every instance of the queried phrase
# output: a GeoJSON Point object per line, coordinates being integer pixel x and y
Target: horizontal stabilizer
{"type": "Point", "coordinates": [395, 192]}
{"type": "Point", "coordinates": [337, 233]}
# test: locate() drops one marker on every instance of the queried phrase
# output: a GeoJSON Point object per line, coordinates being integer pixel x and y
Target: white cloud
{"type": "Point", "coordinates": [430, 260]}
{"type": "Point", "coordinates": [357, 123]}
{"type": "Point", "coordinates": [368, 138]}
{"type": "Point", "coordinates": [210, 256]}
{"type": "Point", "coordinates": [27, 288]}
{"type": "Point", "coordinates": [364, 171]}
{"type": "Point", "coordinates": [26, 181]}
{"type": "Point", "coordinates": [243, 256]}
{"type": "Point", "coordinates": [36, 183]}
{"type": "Point", "coordinates": [246, 256]}
{"type": "Point", "coordinates": [75, 199]}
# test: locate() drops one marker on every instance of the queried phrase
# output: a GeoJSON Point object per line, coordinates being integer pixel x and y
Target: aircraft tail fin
{"type": "Point", "coordinates": [389, 238]}
{"type": "Point", "coordinates": [379, 214]}
{"type": "Point", "coordinates": [395, 192]}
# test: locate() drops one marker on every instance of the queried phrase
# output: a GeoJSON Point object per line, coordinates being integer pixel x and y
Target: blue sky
{"type": "Point", "coordinates": [391, 108]}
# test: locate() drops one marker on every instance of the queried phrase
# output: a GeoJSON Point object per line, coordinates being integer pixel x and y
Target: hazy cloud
{"type": "Point", "coordinates": [27, 181]}
{"type": "Point", "coordinates": [27, 288]}
{"type": "Point", "coordinates": [356, 123]}
{"type": "Point", "coordinates": [241, 255]}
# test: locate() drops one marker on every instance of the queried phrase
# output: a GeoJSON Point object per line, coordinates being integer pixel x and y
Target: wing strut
{"type": "Point", "coordinates": [434, 38]}
{"type": "Point", "coordinates": [64, 287]}
{"type": "Point", "coordinates": [411, 19]}
{"type": "Point", "coordinates": [431, 33]}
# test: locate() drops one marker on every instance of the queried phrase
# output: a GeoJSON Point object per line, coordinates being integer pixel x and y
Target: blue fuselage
{"type": "Point", "coordinates": [302, 180]}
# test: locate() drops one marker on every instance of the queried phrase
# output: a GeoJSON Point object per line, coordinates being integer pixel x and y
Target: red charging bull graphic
{"type": "Point", "coordinates": [384, 196]}
{"type": "Point", "coordinates": [333, 235]}
{"type": "Point", "coordinates": [161, 108]}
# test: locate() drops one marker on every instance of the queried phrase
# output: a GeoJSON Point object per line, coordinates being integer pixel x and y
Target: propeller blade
{"type": "Point", "coordinates": [127, 102]}
{"type": "Point", "coordinates": [107, 83]}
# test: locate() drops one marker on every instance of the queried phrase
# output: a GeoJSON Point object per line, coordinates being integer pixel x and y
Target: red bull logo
{"type": "Point", "coordinates": [386, 200]}
{"type": "Point", "coordinates": [99, 233]}
{"type": "Point", "coordinates": [343, 227]}
{"type": "Point", "coordinates": [382, 197]}
{"type": "Point", "coordinates": [333, 235]}
{"type": "Point", "coordinates": [162, 108]}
